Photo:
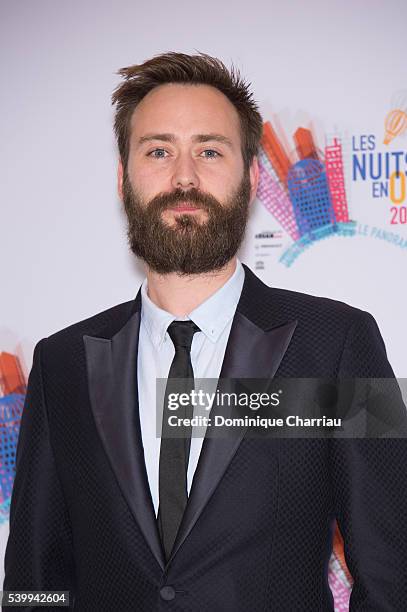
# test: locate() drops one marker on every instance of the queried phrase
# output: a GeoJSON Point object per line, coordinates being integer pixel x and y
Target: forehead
{"type": "Point", "coordinates": [185, 110]}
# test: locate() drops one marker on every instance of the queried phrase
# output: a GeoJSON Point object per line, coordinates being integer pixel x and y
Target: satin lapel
{"type": "Point", "coordinates": [112, 376]}
{"type": "Point", "coordinates": [250, 353]}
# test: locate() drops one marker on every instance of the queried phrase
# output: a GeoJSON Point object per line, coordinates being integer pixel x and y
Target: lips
{"type": "Point", "coordinates": [184, 208]}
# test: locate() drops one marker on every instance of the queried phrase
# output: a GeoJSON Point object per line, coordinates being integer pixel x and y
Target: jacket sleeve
{"type": "Point", "coordinates": [369, 479]}
{"type": "Point", "coordinates": [38, 553]}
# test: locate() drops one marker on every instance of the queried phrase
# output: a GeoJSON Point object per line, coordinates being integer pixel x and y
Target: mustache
{"type": "Point", "coordinates": [192, 196]}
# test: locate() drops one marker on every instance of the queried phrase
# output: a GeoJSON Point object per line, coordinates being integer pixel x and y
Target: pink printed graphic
{"type": "Point", "coordinates": [336, 180]}
{"type": "Point", "coordinates": [339, 586]}
{"type": "Point", "coordinates": [277, 202]}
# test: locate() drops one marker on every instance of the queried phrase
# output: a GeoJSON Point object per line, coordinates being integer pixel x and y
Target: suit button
{"type": "Point", "coordinates": [167, 593]}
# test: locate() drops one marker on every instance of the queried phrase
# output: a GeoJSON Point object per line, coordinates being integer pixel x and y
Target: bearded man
{"type": "Point", "coordinates": [124, 519]}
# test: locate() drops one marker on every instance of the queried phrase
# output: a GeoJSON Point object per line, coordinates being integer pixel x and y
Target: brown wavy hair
{"type": "Point", "coordinates": [181, 68]}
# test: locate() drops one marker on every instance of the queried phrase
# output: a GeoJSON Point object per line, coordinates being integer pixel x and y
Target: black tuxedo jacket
{"type": "Point", "coordinates": [257, 532]}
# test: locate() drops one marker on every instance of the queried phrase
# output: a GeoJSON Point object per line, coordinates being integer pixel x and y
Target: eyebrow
{"type": "Point", "coordinates": [196, 138]}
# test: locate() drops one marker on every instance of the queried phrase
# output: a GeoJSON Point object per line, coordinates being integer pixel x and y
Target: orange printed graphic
{"type": "Point", "coordinates": [275, 152]}
{"type": "Point", "coordinates": [11, 375]}
{"type": "Point", "coordinates": [305, 144]}
{"type": "Point", "coordinates": [395, 124]}
{"type": "Point", "coordinates": [339, 552]}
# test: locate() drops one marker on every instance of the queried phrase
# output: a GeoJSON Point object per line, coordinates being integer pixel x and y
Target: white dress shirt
{"type": "Point", "coordinates": [155, 354]}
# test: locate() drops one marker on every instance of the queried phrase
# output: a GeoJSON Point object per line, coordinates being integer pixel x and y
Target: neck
{"type": "Point", "coordinates": [179, 295]}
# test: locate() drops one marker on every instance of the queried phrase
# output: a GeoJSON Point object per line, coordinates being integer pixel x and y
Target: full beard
{"type": "Point", "coordinates": [189, 246]}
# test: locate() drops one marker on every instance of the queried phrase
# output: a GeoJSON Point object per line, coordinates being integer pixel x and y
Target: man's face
{"type": "Point", "coordinates": [185, 190]}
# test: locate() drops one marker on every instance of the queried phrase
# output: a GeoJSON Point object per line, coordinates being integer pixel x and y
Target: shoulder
{"type": "Point", "coordinates": [319, 309]}
{"type": "Point", "coordinates": [330, 335]}
{"type": "Point", "coordinates": [307, 301]}
{"type": "Point", "coordinates": [332, 326]}
{"type": "Point", "coordinates": [281, 305]}
{"type": "Point", "coordinates": [104, 324]}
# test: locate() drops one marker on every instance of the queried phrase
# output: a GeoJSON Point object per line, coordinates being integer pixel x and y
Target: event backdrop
{"type": "Point", "coordinates": [331, 211]}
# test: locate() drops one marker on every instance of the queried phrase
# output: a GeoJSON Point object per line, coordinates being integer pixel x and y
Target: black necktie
{"type": "Point", "coordinates": [174, 451]}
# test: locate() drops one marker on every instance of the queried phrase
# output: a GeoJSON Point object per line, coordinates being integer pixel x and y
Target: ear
{"type": "Point", "coordinates": [120, 179]}
{"type": "Point", "coordinates": [254, 178]}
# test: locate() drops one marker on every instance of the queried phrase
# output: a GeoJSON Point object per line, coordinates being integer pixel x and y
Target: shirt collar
{"type": "Point", "coordinates": [211, 316]}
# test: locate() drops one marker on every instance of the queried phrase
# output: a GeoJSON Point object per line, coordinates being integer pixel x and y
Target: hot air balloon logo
{"type": "Point", "coordinates": [395, 124]}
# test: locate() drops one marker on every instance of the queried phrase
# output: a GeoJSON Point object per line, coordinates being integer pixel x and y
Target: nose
{"type": "Point", "coordinates": [184, 175]}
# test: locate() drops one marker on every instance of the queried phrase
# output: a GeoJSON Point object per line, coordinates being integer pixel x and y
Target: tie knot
{"type": "Point", "coordinates": [181, 333]}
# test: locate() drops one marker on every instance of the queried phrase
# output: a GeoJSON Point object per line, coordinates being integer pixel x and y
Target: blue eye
{"type": "Point", "coordinates": [213, 153]}
{"type": "Point", "coordinates": [161, 151]}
